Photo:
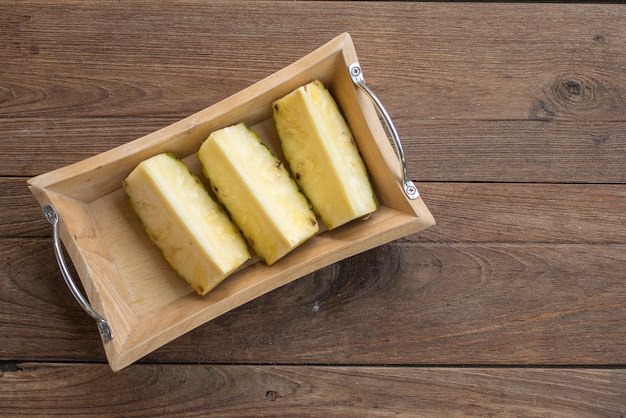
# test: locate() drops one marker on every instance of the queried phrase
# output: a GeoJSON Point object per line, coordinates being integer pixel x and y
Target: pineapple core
{"type": "Point", "coordinates": [322, 155]}
{"type": "Point", "coordinates": [257, 191]}
{"type": "Point", "coordinates": [192, 230]}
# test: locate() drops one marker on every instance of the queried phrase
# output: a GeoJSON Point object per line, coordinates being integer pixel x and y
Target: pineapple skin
{"type": "Point", "coordinates": [322, 155]}
{"type": "Point", "coordinates": [181, 218]}
{"type": "Point", "coordinates": [257, 191]}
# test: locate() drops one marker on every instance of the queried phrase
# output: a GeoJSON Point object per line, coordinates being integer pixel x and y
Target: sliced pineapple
{"type": "Point", "coordinates": [193, 231]}
{"type": "Point", "coordinates": [258, 192]}
{"type": "Point", "coordinates": [322, 155]}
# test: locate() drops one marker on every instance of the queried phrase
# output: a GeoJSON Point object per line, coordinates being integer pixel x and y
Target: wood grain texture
{"type": "Point", "coordinates": [529, 212]}
{"type": "Point", "coordinates": [465, 212]}
{"type": "Point", "coordinates": [240, 391]}
{"type": "Point", "coordinates": [485, 151]}
{"type": "Point", "coordinates": [448, 303]}
{"type": "Point", "coordinates": [516, 151]}
{"type": "Point", "coordinates": [20, 216]}
{"type": "Point", "coordinates": [436, 304]}
{"type": "Point", "coordinates": [513, 118]}
{"type": "Point", "coordinates": [511, 81]}
{"type": "Point", "coordinates": [508, 61]}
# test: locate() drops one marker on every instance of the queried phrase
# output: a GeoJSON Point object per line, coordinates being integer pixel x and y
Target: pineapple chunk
{"type": "Point", "coordinates": [257, 191]}
{"type": "Point", "coordinates": [322, 155]}
{"type": "Point", "coordinates": [180, 216]}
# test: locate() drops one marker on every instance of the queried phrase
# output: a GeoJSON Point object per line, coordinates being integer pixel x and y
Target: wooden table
{"type": "Point", "coordinates": [513, 117]}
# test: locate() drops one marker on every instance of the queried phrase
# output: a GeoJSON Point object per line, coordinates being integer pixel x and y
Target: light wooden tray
{"type": "Point", "coordinates": [141, 300]}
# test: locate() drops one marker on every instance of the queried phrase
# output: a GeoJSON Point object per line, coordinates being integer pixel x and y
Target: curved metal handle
{"type": "Point", "coordinates": [357, 78]}
{"type": "Point", "coordinates": [103, 325]}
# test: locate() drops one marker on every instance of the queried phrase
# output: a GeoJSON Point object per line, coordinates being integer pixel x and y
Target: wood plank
{"type": "Point", "coordinates": [465, 212]}
{"type": "Point", "coordinates": [457, 78]}
{"type": "Point", "coordinates": [515, 151]}
{"type": "Point", "coordinates": [493, 151]}
{"type": "Point", "coordinates": [32, 146]}
{"type": "Point", "coordinates": [402, 303]}
{"type": "Point", "coordinates": [436, 304]}
{"type": "Point", "coordinates": [232, 390]}
{"type": "Point", "coordinates": [36, 307]}
{"type": "Point", "coordinates": [20, 215]}
{"type": "Point", "coordinates": [470, 61]}
{"type": "Point", "coordinates": [518, 213]}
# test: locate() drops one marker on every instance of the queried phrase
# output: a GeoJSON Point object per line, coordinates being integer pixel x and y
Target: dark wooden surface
{"type": "Point", "coordinates": [513, 117]}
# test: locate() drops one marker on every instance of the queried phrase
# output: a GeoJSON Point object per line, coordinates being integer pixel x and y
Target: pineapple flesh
{"type": "Point", "coordinates": [258, 192]}
{"type": "Point", "coordinates": [192, 230]}
{"type": "Point", "coordinates": [322, 155]}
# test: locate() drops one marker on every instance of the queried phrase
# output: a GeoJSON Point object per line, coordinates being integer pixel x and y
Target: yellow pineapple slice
{"type": "Point", "coordinates": [257, 191]}
{"type": "Point", "coordinates": [322, 155]}
{"type": "Point", "coordinates": [192, 230]}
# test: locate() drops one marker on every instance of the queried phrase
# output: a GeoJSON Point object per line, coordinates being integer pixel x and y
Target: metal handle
{"type": "Point", "coordinates": [357, 78]}
{"type": "Point", "coordinates": [103, 325]}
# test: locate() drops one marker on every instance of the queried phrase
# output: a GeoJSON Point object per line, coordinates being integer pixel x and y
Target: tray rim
{"type": "Point", "coordinates": [52, 188]}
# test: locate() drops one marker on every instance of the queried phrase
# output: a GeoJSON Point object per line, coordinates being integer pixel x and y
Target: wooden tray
{"type": "Point", "coordinates": [125, 277]}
